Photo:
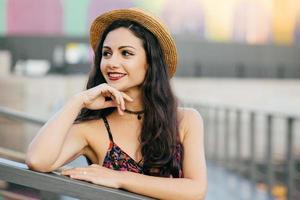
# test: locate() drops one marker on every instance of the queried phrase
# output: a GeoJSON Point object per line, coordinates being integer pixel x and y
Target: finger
{"type": "Point", "coordinates": [109, 104]}
{"type": "Point", "coordinates": [120, 110]}
{"type": "Point", "coordinates": [80, 168]}
{"type": "Point", "coordinates": [114, 96]}
{"type": "Point", "coordinates": [67, 172]}
{"type": "Point", "coordinates": [126, 97]}
{"type": "Point", "coordinates": [102, 87]}
{"type": "Point", "coordinates": [74, 170]}
{"type": "Point", "coordinates": [82, 177]}
{"type": "Point", "coordinates": [106, 94]}
{"type": "Point", "coordinates": [122, 102]}
{"type": "Point", "coordinates": [78, 173]}
{"type": "Point", "coordinates": [94, 166]}
{"type": "Point", "coordinates": [119, 99]}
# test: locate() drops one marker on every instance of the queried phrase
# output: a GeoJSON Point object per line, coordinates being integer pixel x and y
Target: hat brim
{"type": "Point", "coordinates": [146, 19]}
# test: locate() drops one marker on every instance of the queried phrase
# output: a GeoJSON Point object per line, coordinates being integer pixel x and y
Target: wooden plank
{"type": "Point", "coordinates": [19, 173]}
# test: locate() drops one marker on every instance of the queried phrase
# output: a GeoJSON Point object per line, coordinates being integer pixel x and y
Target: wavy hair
{"type": "Point", "coordinates": [159, 134]}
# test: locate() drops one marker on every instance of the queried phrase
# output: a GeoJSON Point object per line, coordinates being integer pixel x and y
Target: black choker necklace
{"type": "Point", "coordinates": [138, 113]}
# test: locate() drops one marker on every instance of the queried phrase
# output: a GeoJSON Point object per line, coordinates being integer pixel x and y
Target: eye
{"type": "Point", "coordinates": [127, 53]}
{"type": "Point", "coordinates": [105, 53]}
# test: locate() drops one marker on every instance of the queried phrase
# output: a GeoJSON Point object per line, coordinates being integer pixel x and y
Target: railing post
{"type": "Point", "coordinates": [205, 117]}
{"type": "Point", "coordinates": [226, 141]}
{"type": "Point", "coordinates": [270, 167]}
{"type": "Point", "coordinates": [216, 135]}
{"type": "Point", "coordinates": [290, 158]}
{"type": "Point", "coordinates": [252, 154]}
{"type": "Point", "coordinates": [209, 133]}
{"type": "Point", "coordinates": [238, 141]}
{"type": "Point", "coordinates": [252, 148]}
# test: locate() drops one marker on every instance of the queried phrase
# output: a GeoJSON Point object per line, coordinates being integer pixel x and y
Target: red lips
{"type": "Point", "coordinates": [114, 76]}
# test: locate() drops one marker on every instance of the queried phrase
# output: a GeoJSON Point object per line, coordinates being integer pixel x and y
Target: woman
{"type": "Point", "coordinates": [127, 123]}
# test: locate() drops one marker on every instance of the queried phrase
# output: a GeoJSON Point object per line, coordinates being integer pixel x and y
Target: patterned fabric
{"type": "Point", "coordinates": [119, 160]}
{"type": "Point", "coordinates": [178, 156]}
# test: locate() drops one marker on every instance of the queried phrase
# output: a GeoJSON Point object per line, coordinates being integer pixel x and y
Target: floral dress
{"type": "Point", "coordinates": [119, 160]}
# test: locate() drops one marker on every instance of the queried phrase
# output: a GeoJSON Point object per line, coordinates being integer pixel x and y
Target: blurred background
{"type": "Point", "coordinates": [239, 65]}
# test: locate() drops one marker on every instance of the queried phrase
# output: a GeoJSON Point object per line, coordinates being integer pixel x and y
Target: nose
{"type": "Point", "coordinates": [114, 61]}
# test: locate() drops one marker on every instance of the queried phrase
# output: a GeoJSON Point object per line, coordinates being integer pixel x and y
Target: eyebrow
{"type": "Point", "coordinates": [121, 47]}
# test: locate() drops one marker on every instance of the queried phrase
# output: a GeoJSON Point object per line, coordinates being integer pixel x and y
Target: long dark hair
{"type": "Point", "coordinates": [159, 134]}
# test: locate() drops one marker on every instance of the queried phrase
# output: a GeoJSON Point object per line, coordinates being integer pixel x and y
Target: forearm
{"type": "Point", "coordinates": [46, 146]}
{"type": "Point", "coordinates": [162, 188]}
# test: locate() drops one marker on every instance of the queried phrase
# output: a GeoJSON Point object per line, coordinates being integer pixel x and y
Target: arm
{"type": "Point", "coordinates": [59, 141]}
{"type": "Point", "coordinates": [192, 186]}
{"type": "Point", "coordinates": [163, 188]}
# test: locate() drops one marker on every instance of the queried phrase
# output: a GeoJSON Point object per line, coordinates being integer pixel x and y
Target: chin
{"type": "Point", "coordinates": [119, 86]}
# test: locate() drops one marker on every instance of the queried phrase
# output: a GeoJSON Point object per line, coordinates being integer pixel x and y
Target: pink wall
{"type": "Point", "coordinates": [98, 7]}
{"type": "Point", "coordinates": [30, 17]}
{"type": "Point", "coordinates": [184, 17]}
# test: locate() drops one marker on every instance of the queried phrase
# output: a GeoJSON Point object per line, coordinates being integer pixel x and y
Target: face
{"type": "Point", "coordinates": [123, 62]}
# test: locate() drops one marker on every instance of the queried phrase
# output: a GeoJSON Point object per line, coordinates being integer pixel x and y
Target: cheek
{"type": "Point", "coordinates": [145, 72]}
{"type": "Point", "coordinates": [140, 74]}
{"type": "Point", "coordinates": [102, 67]}
{"type": "Point", "coordinates": [145, 69]}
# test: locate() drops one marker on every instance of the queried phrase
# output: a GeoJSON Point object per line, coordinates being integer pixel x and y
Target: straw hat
{"type": "Point", "coordinates": [146, 19]}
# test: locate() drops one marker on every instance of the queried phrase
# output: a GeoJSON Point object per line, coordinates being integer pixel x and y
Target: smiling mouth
{"type": "Point", "coordinates": [114, 76]}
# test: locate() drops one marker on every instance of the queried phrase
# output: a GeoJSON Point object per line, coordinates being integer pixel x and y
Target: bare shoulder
{"type": "Point", "coordinates": [189, 119]}
{"type": "Point", "coordinates": [89, 125]}
{"type": "Point", "coordinates": [188, 112]}
{"type": "Point", "coordinates": [91, 129]}
{"type": "Point", "coordinates": [188, 116]}
{"type": "Point", "coordinates": [83, 127]}
{"type": "Point", "coordinates": [94, 133]}
{"type": "Point", "coordinates": [80, 132]}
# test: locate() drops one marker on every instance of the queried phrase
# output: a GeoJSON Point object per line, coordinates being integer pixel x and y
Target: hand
{"type": "Point", "coordinates": [95, 174]}
{"type": "Point", "coordinates": [94, 98]}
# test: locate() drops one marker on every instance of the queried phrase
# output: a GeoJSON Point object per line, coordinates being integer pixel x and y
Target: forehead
{"type": "Point", "coordinates": [121, 37]}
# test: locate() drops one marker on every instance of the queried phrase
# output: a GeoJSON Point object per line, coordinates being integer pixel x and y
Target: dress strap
{"type": "Point", "coordinates": [107, 128]}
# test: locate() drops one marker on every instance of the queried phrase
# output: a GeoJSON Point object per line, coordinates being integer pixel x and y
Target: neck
{"type": "Point", "coordinates": [134, 109]}
{"type": "Point", "coordinates": [136, 105]}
